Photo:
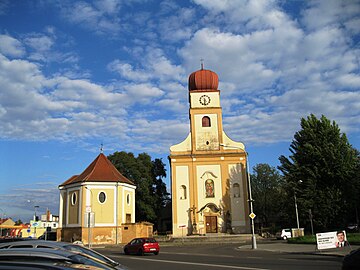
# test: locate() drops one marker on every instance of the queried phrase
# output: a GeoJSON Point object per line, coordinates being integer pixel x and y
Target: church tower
{"type": "Point", "coordinates": [208, 169]}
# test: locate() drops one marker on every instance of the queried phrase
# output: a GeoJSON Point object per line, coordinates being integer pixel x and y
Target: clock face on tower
{"type": "Point", "coordinates": [204, 100]}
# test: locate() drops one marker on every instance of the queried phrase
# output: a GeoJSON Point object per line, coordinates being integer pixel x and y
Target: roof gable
{"type": "Point", "coordinates": [100, 170]}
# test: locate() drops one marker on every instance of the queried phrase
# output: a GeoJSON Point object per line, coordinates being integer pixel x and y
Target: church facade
{"type": "Point", "coordinates": [208, 170]}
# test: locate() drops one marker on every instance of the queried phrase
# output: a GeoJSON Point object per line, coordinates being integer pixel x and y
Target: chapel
{"type": "Point", "coordinates": [98, 206]}
{"type": "Point", "coordinates": [209, 180]}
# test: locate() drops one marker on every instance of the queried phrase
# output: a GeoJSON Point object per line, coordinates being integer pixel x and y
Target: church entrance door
{"type": "Point", "coordinates": [211, 224]}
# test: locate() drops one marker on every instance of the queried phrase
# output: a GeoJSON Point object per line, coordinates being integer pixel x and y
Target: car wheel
{"type": "Point", "coordinates": [141, 252]}
{"type": "Point", "coordinates": [126, 251]}
{"type": "Point", "coordinates": [284, 237]}
{"type": "Point", "coordinates": [156, 253]}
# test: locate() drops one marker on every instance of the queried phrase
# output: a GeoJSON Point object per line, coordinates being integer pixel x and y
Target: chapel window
{"type": "Point", "coordinates": [73, 198]}
{"type": "Point", "coordinates": [209, 188]}
{"type": "Point", "coordinates": [206, 121]}
{"type": "Point", "coordinates": [102, 197]}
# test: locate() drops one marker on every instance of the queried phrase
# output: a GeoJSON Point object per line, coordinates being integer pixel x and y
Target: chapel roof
{"type": "Point", "coordinates": [100, 170]}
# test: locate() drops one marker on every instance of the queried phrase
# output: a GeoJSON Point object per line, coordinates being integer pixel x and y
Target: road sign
{"type": "Point", "coordinates": [182, 226]}
{"type": "Point", "coordinates": [252, 215]}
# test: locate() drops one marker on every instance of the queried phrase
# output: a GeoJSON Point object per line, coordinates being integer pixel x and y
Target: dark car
{"type": "Point", "coordinates": [63, 246]}
{"type": "Point", "coordinates": [49, 255]}
{"type": "Point", "coordinates": [141, 246]}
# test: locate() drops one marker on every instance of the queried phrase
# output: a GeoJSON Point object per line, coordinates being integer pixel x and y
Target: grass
{"type": "Point", "coordinates": [353, 239]}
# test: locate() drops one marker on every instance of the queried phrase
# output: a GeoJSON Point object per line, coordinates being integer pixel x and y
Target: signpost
{"type": "Point", "coordinates": [89, 220]}
{"type": "Point", "coordinates": [182, 232]}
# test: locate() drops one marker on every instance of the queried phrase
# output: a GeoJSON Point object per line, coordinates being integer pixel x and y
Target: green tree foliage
{"type": "Point", "coordinates": [328, 167]}
{"type": "Point", "coordinates": [147, 175]}
{"type": "Point", "coordinates": [267, 183]}
{"type": "Point", "coordinates": [18, 222]}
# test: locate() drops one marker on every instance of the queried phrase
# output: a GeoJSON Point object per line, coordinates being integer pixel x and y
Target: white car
{"type": "Point", "coordinates": [285, 234]}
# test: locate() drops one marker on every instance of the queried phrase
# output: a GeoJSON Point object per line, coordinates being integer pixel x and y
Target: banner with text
{"type": "Point", "coordinates": [331, 240]}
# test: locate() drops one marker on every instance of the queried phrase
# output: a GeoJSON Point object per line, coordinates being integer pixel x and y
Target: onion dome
{"type": "Point", "coordinates": [203, 79]}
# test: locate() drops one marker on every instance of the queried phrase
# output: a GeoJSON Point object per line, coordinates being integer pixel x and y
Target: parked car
{"type": "Point", "coordinates": [49, 255]}
{"type": "Point", "coordinates": [141, 246]}
{"type": "Point", "coordinates": [284, 234]}
{"type": "Point", "coordinates": [6, 265]}
{"type": "Point", "coordinates": [63, 246]}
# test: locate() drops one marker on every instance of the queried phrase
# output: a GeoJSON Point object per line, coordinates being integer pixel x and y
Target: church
{"type": "Point", "coordinates": [209, 180]}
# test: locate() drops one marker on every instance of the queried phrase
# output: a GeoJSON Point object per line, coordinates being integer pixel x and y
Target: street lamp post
{"type": "Point", "coordinates": [253, 237]}
{"type": "Point", "coordinates": [296, 210]}
{"type": "Point", "coordinates": [254, 246]}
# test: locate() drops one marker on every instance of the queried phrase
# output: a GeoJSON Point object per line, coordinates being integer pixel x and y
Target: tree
{"type": "Point", "coordinates": [18, 222]}
{"type": "Point", "coordinates": [266, 183]}
{"type": "Point", "coordinates": [328, 167]}
{"type": "Point", "coordinates": [147, 175]}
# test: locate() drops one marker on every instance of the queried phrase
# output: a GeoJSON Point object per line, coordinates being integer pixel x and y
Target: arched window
{"type": "Point", "coordinates": [209, 188]}
{"type": "Point", "coordinates": [183, 192]}
{"type": "Point", "coordinates": [236, 190]}
{"type": "Point", "coordinates": [128, 199]}
{"type": "Point", "coordinates": [102, 197]}
{"type": "Point", "coordinates": [206, 121]}
{"type": "Point", "coordinates": [73, 198]}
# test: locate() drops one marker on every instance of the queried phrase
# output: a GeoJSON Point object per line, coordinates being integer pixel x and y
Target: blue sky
{"type": "Point", "coordinates": [78, 74]}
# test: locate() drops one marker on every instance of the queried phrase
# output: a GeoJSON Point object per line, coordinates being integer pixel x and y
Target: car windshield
{"type": "Point", "coordinates": [90, 253]}
{"type": "Point", "coordinates": [150, 240]}
{"type": "Point", "coordinates": [78, 258]}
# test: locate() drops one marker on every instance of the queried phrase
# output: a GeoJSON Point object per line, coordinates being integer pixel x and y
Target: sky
{"type": "Point", "coordinates": [78, 74]}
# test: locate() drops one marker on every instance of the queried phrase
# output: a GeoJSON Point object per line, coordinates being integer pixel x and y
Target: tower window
{"type": "Point", "coordinates": [209, 188]}
{"type": "Point", "coordinates": [236, 189]}
{"type": "Point", "coordinates": [206, 121]}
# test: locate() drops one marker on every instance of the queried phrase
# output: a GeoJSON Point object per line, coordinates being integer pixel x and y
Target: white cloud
{"type": "Point", "coordinates": [101, 17]}
{"type": "Point", "coordinates": [128, 72]}
{"type": "Point", "coordinates": [11, 47]}
{"type": "Point", "coordinates": [39, 42]}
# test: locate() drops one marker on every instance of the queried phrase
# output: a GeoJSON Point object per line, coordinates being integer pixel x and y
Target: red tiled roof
{"type": "Point", "coordinates": [100, 170]}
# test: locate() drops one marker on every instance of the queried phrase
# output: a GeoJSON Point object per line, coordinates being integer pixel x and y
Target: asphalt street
{"type": "Point", "coordinates": [231, 256]}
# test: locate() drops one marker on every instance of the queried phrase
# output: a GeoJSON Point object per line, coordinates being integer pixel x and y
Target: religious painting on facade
{"type": "Point", "coordinates": [209, 188]}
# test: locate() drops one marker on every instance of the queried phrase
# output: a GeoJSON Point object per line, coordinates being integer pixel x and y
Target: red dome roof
{"type": "Point", "coordinates": [203, 79]}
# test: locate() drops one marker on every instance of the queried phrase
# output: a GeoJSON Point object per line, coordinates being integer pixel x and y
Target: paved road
{"type": "Point", "coordinates": [224, 256]}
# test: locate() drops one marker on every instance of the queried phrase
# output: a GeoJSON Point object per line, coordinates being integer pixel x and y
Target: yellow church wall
{"type": "Point", "coordinates": [126, 204]}
{"type": "Point", "coordinates": [104, 211]}
{"type": "Point", "coordinates": [236, 177]}
{"type": "Point", "coordinates": [183, 203]}
{"type": "Point", "coordinates": [73, 209]}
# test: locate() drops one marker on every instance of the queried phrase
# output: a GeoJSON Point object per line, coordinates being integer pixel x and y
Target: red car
{"type": "Point", "coordinates": [141, 246]}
